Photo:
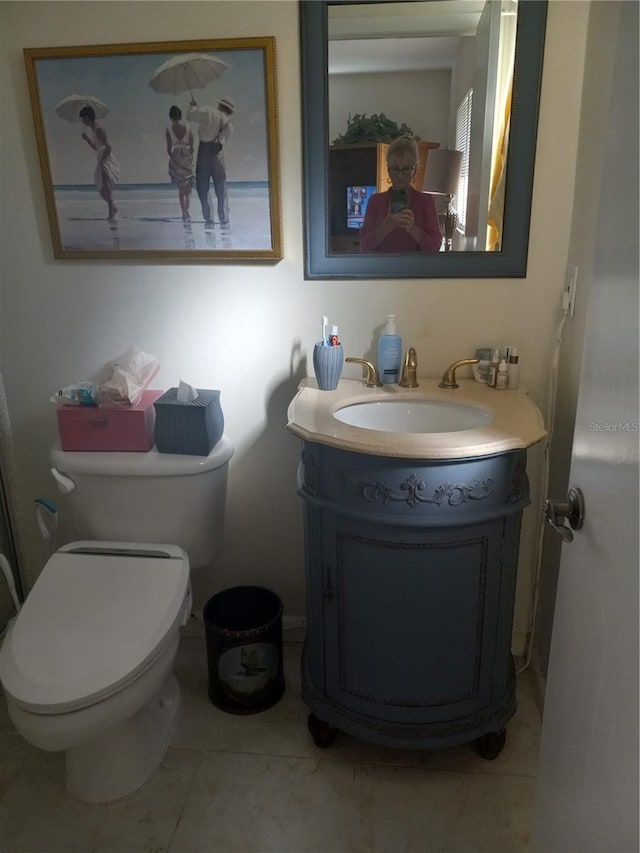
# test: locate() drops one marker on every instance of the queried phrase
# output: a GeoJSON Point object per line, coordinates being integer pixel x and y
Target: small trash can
{"type": "Point", "coordinates": [243, 630]}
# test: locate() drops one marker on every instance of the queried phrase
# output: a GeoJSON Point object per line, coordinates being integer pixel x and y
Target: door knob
{"type": "Point", "coordinates": [572, 509]}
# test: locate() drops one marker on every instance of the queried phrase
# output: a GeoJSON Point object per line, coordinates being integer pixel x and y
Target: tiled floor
{"type": "Point", "coordinates": [258, 784]}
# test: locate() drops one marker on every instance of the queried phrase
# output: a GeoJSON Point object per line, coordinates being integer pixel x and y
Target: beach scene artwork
{"type": "Point", "coordinates": [141, 214]}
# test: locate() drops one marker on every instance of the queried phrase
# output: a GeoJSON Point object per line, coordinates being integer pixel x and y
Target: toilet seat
{"type": "Point", "coordinates": [99, 615]}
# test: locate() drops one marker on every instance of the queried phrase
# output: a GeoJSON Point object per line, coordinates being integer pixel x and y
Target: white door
{"type": "Point", "coordinates": [587, 787]}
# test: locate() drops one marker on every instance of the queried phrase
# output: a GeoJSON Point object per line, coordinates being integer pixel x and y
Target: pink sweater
{"type": "Point", "coordinates": [425, 217]}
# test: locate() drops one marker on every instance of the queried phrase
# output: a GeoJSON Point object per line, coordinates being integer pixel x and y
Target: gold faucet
{"type": "Point", "coordinates": [409, 378]}
{"type": "Point", "coordinates": [449, 378]}
{"type": "Point", "coordinates": [372, 380]}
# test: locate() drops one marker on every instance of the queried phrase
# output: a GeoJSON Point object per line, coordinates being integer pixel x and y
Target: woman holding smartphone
{"type": "Point", "coordinates": [401, 219]}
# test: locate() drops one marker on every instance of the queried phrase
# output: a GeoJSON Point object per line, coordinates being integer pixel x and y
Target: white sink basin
{"type": "Point", "coordinates": [423, 423]}
{"type": "Point", "coordinates": [408, 416]}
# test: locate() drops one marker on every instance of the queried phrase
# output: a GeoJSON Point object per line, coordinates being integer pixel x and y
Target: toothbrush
{"type": "Point", "coordinates": [325, 323]}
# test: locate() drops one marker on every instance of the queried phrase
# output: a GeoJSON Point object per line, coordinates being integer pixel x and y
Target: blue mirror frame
{"type": "Point", "coordinates": [511, 261]}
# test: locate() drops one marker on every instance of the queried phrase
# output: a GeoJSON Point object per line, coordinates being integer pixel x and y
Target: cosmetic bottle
{"type": "Point", "coordinates": [389, 352]}
{"type": "Point", "coordinates": [503, 375]}
{"type": "Point", "coordinates": [494, 364]}
{"type": "Point", "coordinates": [513, 379]}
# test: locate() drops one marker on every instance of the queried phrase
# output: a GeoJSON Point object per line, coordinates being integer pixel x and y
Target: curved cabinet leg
{"type": "Point", "coordinates": [490, 746]}
{"type": "Point", "coordinates": [322, 733]}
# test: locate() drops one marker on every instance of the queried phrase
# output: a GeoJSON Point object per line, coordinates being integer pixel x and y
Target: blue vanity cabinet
{"type": "Point", "coordinates": [410, 575]}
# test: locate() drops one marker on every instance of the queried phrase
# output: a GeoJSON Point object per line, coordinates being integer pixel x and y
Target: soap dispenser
{"type": "Point", "coordinates": [389, 352]}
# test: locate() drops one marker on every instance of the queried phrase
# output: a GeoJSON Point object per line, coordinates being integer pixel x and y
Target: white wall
{"type": "Point", "coordinates": [420, 99]}
{"type": "Point", "coordinates": [249, 329]}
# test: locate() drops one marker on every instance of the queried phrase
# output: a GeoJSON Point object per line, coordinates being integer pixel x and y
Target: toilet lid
{"type": "Point", "coordinates": [91, 622]}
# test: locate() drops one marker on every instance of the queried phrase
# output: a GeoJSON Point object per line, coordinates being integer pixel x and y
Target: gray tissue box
{"type": "Point", "coordinates": [192, 428]}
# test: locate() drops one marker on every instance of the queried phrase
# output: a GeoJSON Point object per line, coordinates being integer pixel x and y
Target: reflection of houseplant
{"type": "Point", "coordinates": [373, 128]}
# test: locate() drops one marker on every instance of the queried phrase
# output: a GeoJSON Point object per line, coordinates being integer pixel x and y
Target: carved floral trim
{"type": "Point", "coordinates": [519, 483]}
{"type": "Point", "coordinates": [415, 489]}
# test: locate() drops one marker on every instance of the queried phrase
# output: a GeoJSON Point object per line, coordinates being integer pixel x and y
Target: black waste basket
{"type": "Point", "coordinates": [243, 629]}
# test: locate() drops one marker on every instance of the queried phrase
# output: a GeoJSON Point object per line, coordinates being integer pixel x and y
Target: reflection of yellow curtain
{"type": "Point", "coordinates": [496, 197]}
{"type": "Point", "coordinates": [501, 122]}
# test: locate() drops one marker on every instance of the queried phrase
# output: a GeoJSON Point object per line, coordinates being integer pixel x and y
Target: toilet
{"type": "Point", "coordinates": [87, 665]}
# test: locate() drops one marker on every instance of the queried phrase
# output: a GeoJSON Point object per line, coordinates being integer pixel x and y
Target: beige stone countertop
{"type": "Point", "coordinates": [517, 421]}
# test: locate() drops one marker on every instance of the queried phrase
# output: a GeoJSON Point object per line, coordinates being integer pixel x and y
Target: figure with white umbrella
{"type": "Point", "coordinates": [179, 139]}
{"type": "Point", "coordinates": [187, 72]}
{"type": "Point", "coordinates": [88, 109]}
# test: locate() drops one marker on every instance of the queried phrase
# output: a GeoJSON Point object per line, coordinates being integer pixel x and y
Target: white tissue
{"type": "Point", "coordinates": [131, 375]}
{"type": "Point", "coordinates": [186, 393]}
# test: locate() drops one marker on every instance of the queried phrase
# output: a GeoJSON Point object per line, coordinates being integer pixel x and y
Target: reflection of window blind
{"type": "Point", "coordinates": [463, 143]}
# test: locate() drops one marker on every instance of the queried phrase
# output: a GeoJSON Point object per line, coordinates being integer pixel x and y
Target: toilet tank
{"type": "Point", "coordinates": [148, 497]}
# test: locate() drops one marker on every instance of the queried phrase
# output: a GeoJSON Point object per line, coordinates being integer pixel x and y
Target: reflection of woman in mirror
{"type": "Point", "coordinates": [401, 219]}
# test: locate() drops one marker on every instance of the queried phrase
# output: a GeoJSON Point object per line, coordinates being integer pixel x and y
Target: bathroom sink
{"type": "Point", "coordinates": [427, 422]}
{"type": "Point", "coordinates": [414, 416]}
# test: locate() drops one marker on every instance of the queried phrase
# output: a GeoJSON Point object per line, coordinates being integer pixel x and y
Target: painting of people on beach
{"type": "Point", "coordinates": [159, 151]}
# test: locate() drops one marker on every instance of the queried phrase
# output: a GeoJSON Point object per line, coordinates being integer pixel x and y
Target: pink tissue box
{"type": "Point", "coordinates": [93, 428]}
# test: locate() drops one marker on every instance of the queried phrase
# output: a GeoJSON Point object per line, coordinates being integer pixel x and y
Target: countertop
{"type": "Point", "coordinates": [517, 423]}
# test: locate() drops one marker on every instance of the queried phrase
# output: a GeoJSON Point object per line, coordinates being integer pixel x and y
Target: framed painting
{"type": "Point", "coordinates": [166, 150]}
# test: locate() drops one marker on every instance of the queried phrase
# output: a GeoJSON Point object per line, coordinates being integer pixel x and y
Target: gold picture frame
{"type": "Point", "coordinates": [143, 192]}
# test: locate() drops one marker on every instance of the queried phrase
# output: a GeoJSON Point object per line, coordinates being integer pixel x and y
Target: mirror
{"type": "Point", "coordinates": [337, 34]}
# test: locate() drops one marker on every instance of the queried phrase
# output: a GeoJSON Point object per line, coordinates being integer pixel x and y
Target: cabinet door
{"type": "Point", "coordinates": [412, 623]}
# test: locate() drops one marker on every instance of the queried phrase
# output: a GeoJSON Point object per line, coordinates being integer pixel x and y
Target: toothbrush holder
{"type": "Point", "coordinates": [327, 364]}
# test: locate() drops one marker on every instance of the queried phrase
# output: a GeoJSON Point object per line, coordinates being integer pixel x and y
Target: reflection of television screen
{"type": "Point", "coordinates": [357, 200]}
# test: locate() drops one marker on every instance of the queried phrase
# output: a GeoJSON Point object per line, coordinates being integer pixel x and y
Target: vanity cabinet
{"type": "Point", "coordinates": [410, 577]}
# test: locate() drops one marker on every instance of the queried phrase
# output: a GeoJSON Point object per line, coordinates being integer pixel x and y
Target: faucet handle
{"type": "Point", "coordinates": [409, 378]}
{"type": "Point", "coordinates": [449, 378]}
{"type": "Point", "coordinates": [372, 379]}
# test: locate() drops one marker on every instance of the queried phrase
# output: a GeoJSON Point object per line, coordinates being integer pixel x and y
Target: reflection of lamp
{"type": "Point", "coordinates": [441, 177]}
